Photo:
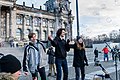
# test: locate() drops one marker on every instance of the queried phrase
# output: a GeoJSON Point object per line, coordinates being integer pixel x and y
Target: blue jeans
{"type": "Point", "coordinates": [77, 71]}
{"type": "Point", "coordinates": [61, 64]}
{"type": "Point", "coordinates": [106, 56]}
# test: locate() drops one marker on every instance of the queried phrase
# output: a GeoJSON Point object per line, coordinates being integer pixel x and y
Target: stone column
{"type": "Point", "coordinates": [7, 24]}
{"type": "Point", "coordinates": [33, 25]}
{"type": "Point", "coordinates": [48, 27]}
{"type": "Point", "coordinates": [13, 22]}
{"type": "Point", "coordinates": [0, 20]}
{"type": "Point", "coordinates": [41, 21]}
{"type": "Point", "coordinates": [41, 29]}
{"type": "Point", "coordinates": [23, 26]}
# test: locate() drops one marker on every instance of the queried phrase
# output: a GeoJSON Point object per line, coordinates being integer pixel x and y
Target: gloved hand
{"type": "Point", "coordinates": [68, 41]}
{"type": "Point", "coordinates": [86, 64]}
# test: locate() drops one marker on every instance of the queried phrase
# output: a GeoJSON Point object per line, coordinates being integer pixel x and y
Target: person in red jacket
{"type": "Point", "coordinates": [106, 50]}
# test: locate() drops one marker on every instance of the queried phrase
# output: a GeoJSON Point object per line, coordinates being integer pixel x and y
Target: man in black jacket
{"type": "Point", "coordinates": [61, 48]}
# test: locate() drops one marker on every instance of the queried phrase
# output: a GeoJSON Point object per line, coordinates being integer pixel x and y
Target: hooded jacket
{"type": "Point", "coordinates": [34, 57]}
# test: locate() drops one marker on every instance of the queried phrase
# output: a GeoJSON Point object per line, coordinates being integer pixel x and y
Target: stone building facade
{"type": "Point", "coordinates": [17, 21]}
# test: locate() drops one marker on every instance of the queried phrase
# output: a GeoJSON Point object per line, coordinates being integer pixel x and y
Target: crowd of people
{"type": "Point", "coordinates": [35, 56]}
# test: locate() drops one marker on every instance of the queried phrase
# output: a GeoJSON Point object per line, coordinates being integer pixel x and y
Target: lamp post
{"type": "Point", "coordinates": [77, 16]}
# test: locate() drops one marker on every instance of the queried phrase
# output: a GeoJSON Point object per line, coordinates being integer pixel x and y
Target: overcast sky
{"type": "Point", "coordinates": [95, 16]}
{"type": "Point", "coordinates": [99, 16]}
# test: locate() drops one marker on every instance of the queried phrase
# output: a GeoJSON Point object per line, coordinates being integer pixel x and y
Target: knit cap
{"type": "Point", "coordinates": [10, 64]}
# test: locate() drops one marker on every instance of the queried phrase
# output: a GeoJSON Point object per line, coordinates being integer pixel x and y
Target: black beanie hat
{"type": "Point", "coordinates": [10, 64]}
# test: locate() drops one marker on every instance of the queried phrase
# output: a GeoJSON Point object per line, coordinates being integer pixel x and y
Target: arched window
{"type": "Point", "coordinates": [27, 33]}
{"type": "Point", "coordinates": [18, 34]}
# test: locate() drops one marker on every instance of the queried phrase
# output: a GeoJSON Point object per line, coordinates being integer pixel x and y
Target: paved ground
{"type": "Point", "coordinates": [91, 70]}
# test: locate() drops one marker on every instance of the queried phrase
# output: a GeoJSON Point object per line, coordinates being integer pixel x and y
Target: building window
{"type": "Point", "coordinates": [44, 23]}
{"type": "Point", "coordinates": [36, 21]}
{"type": "Point", "coordinates": [39, 21]}
{"type": "Point", "coordinates": [27, 32]}
{"type": "Point", "coordinates": [19, 19]}
{"type": "Point", "coordinates": [28, 20]}
{"type": "Point", "coordinates": [50, 24]}
{"type": "Point", "coordinates": [18, 34]}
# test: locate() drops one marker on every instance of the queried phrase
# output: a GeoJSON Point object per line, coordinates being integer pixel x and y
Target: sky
{"type": "Point", "coordinates": [96, 16]}
{"type": "Point", "coordinates": [99, 16]}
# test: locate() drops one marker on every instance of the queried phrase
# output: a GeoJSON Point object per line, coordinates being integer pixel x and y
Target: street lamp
{"type": "Point", "coordinates": [77, 16]}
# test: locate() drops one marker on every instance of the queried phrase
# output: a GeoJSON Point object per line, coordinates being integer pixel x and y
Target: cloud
{"type": "Point", "coordinates": [99, 16]}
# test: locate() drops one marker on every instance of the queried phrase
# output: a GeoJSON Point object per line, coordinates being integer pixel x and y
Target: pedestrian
{"type": "Point", "coordinates": [113, 53]}
{"type": "Point", "coordinates": [11, 43]}
{"type": "Point", "coordinates": [106, 50]}
{"type": "Point", "coordinates": [51, 61]}
{"type": "Point", "coordinates": [61, 48]}
{"type": "Point", "coordinates": [96, 57]}
{"type": "Point", "coordinates": [116, 52]}
{"type": "Point", "coordinates": [10, 68]}
{"type": "Point", "coordinates": [79, 59]}
{"type": "Point", "coordinates": [96, 54]}
{"type": "Point", "coordinates": [35, 58]}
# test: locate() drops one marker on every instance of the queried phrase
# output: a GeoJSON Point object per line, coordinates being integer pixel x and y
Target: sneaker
{"type": "Point", "coordinates": [49, 74]}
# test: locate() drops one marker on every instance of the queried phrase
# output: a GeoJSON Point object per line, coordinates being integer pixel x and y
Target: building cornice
{"type": "Point", "coordinates": [6, 3]}
{"type": "Point", "coordinates": [34, 10]}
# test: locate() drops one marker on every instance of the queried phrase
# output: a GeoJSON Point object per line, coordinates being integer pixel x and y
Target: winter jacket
{"type": "Point", "coordinates": [34, 57]}
{"type": "Point", "coordinates": [61, 47]}
{"type": "Point", "coordinates": [96, 52]}
{"type": "Point", "coordinates": [80, 58]}
{"type": "Point", "coordinates": [51, 54]}
{"type": "Point", "coordinates": [105, 50]}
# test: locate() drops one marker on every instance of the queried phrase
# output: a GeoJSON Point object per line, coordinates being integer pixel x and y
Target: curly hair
{"type": "Point", "coordinates": [59, 32]}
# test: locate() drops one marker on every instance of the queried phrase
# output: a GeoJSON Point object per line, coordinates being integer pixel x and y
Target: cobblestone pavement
{"type": "Point", "coordinates": [91, 70]}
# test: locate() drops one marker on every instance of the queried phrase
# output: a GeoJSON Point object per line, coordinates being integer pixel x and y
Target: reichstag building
{"type": "Point", "coordinates": [17, 21]}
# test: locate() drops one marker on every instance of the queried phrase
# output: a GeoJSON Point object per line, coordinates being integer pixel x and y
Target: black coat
{"type": "Point", "coordinates": [51, 53]}
{"type": "Point", "coordinates": [61, 47]}
{"type": "Point", "coordinates": [96, 52]}
{"type": "Point", "coordinates": [80, 58]}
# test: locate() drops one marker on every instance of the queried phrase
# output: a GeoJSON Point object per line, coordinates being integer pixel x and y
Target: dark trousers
{"type": "Point", "coordinates": [77, 71]}
{"type": "Point", "coordinates": [61, 64]}
{"type": "Point", "coordinates": [41, 72]}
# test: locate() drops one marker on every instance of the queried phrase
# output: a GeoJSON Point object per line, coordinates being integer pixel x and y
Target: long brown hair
{"type": "Point", "coordinates": [80, 45]}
